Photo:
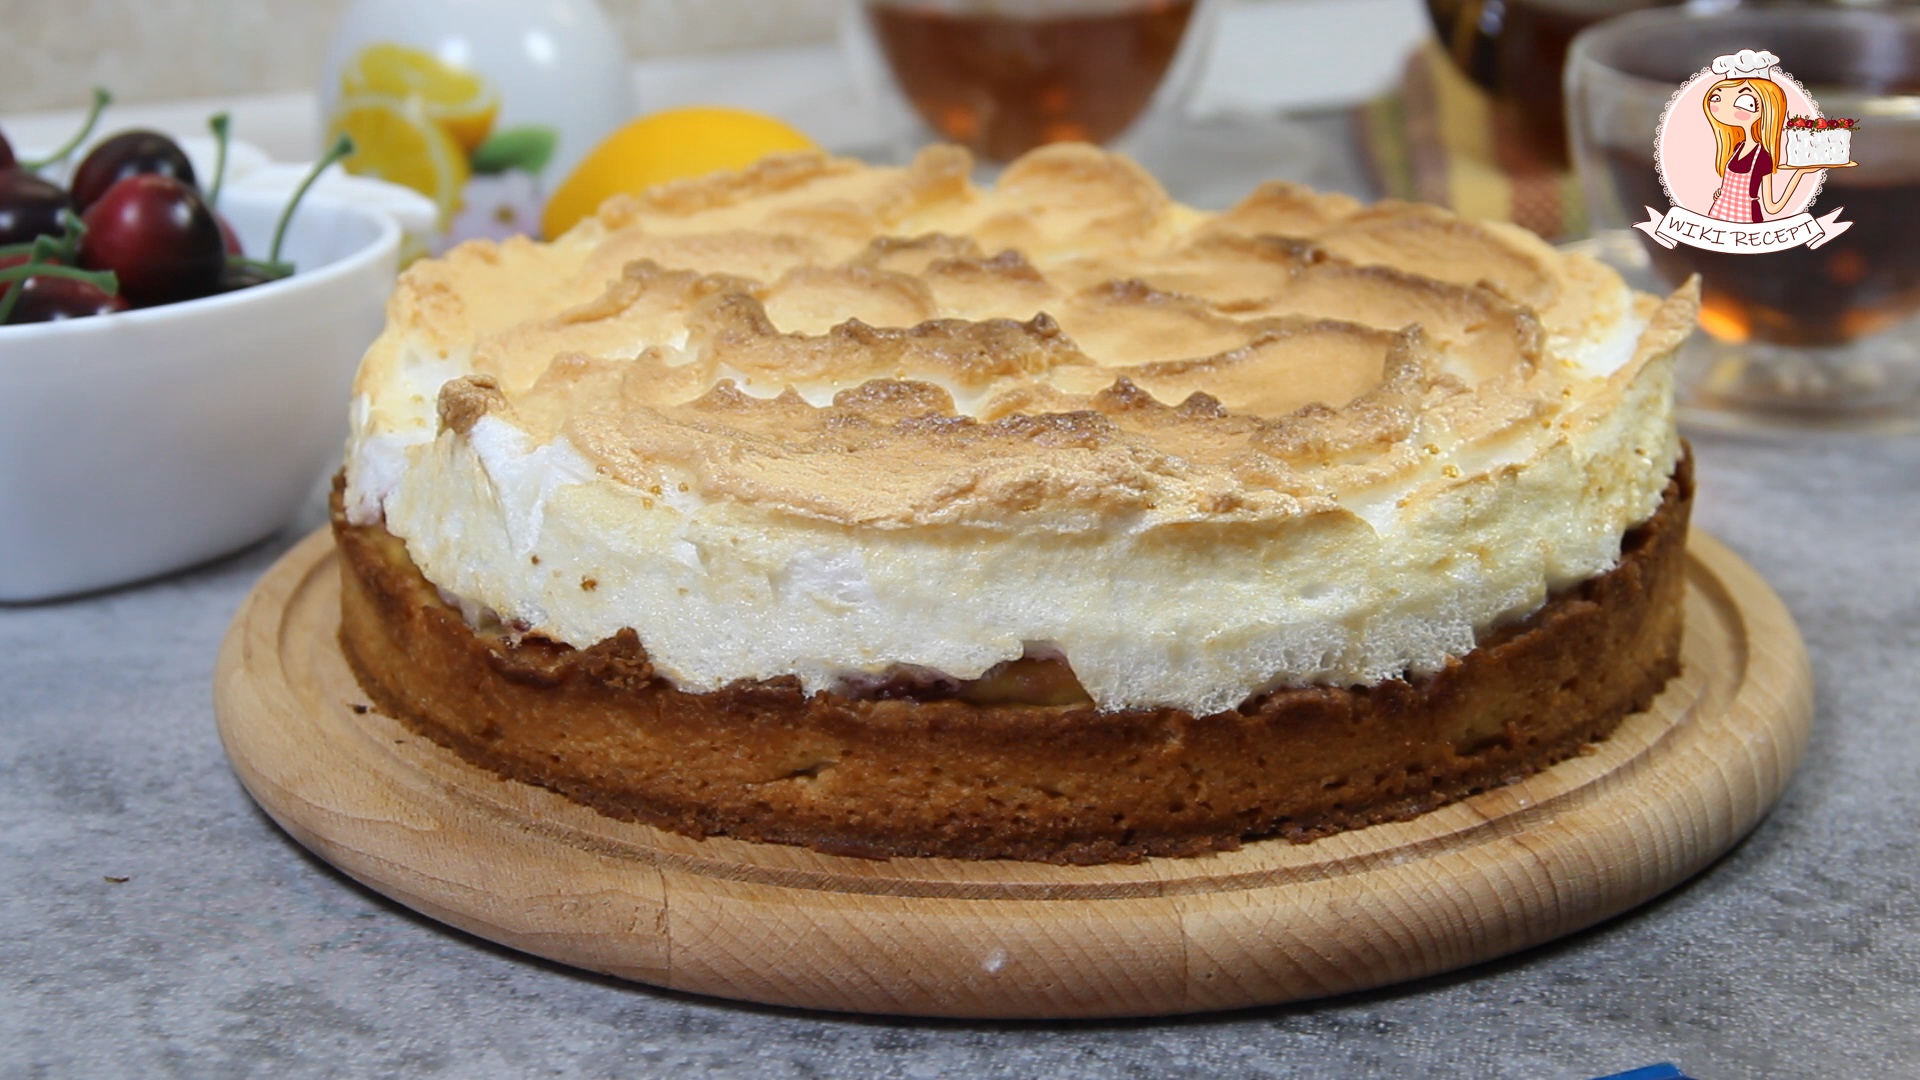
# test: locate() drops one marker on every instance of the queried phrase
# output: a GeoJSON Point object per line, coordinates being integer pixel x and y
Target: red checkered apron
{"type": "Point", "coordinates": [1735, 201]}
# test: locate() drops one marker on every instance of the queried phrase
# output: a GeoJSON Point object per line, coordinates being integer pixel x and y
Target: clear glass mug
{"type": "Point", "coordinates": [1003, 77]}
{"type": "Point", "coordinates": [1826, 335]}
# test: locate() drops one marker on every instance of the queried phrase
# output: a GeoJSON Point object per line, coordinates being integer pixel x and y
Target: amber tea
{"type": "Point", "coordinates": [1861, 282]}
{"type": "Point", "coordinates": [1004, 80]}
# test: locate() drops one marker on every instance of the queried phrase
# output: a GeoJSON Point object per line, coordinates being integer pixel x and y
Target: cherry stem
{"type": "Point", "coordinates": [64, 247]}
{"type": "Point", "coordinates": [46, 247]}
{"type": "Point", "coordinates": [341, 148]}
{"type": "Point", "coordinates": [104, 280]}
{"type": "Point", "coordinates": [37, 250]}
{"type": "Point", "coordinates": [73, 227]}
{"type": "Point", "coordinates": [270, 269]}
{"type": "Point", "coordinates": [219, 123]}
{"type": "Point", "coordinates": [100, 100]}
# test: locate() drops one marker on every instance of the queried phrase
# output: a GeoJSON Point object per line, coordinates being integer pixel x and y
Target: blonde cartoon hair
{"type": "Point", "coordinates": [1766, 127]}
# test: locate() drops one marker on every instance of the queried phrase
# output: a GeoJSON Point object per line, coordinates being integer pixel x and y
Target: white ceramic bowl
{"type": "Point", "coordinates": [145, 441]}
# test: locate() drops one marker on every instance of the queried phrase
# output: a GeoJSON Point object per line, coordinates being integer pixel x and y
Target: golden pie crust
{"type": "Point", "coordinates": [899, 776]}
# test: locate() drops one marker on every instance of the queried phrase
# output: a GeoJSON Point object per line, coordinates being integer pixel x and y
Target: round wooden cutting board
{"type": "Point", "coordinates": [1675, 787]}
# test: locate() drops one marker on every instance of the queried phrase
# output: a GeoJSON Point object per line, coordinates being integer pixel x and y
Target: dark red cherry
{"type": "Point", "coordinates": [130, 153]}
{"type": "Point", "coordinates": [6, 153]}
{"type": "Point", "coordinates": [29, 207]}
{"type": "Point", "coordinates": [51, 299]}
{"type": "Point", "coordinates": [156, 234]}
{"type": "Point", "coordinates": [228, 238]}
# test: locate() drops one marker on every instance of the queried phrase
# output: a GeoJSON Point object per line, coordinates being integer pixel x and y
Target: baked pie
{"type": "Point", "coordinates": [873, 510]}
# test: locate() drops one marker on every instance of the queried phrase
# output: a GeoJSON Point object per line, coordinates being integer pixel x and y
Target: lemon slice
{"type": "Point", "coordinates": [392, 141]}
{"type": "Point", "coordinates": [670, 145]}
{"type": "Point", "coordinates": [458, 100]}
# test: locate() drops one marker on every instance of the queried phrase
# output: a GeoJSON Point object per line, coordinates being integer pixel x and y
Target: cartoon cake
{"type": "Point", "coordinates": [1811, 140]}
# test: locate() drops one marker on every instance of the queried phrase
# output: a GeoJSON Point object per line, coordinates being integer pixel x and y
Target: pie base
{"type": "Point", "coordinates": [1055, 783]}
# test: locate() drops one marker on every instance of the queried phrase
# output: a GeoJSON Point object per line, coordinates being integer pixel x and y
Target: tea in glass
{"type": "Point", "coordinates": [1822, 334]}
{"type": "Point", "coordinates": [1003, 78]}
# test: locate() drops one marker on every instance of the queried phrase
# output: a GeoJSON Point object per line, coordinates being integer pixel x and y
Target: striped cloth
{"type": "Point", "coordinates": [1436, 137]}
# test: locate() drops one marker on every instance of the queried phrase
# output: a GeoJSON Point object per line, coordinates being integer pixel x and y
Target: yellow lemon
{"type": "Point", "coordinates": [392, 141]}
{"type": "Point", "coordinates": [459, 101]}
{"type": "Point", "coordinates": [670, 145]}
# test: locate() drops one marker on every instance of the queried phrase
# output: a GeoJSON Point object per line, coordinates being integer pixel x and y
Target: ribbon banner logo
{"type": "Point", "coordinates": [1683, 226]}
{"type": "Point", "coordinates": [1743, 151]}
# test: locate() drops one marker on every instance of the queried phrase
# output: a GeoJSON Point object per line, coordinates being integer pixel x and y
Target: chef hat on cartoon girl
{"type": "Point", "coordinates": [1746, 64]}
{"type": "Point", "coordinates": [1757, 65]}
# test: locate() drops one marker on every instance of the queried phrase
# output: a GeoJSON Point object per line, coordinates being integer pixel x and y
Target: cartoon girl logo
{"type": "Point", "coordinates": [1742, 151]}
{"type": "Point", "coordinates": [1748, 116]}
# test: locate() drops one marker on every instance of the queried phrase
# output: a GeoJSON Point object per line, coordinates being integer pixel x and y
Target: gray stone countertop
{"type": "Point", "coordinates": [228, 951]}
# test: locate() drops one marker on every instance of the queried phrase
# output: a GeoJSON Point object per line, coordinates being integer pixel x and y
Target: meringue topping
{"type": "Point", "coordinates": [824, 419]}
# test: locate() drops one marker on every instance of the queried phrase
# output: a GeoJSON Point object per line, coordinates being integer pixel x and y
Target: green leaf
{"type": "Point", "coordinates": [528, 148]}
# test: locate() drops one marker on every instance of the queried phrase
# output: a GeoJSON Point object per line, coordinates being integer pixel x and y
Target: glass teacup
{"type": "Point", "coordinates": [1002, 78]}
{"type": "Point", "coordinates": [1823, 332]}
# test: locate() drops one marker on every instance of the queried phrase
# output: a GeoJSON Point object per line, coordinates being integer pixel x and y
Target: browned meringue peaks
{"type": "Point", "coordinates": [894, 345]}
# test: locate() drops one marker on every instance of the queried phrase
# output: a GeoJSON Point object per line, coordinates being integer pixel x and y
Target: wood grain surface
{"type": "Point", "coordinates": [1673, 788]}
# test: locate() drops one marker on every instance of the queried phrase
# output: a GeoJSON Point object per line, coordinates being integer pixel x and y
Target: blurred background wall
{"type": "Point", "coordinates": [55, 51]}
